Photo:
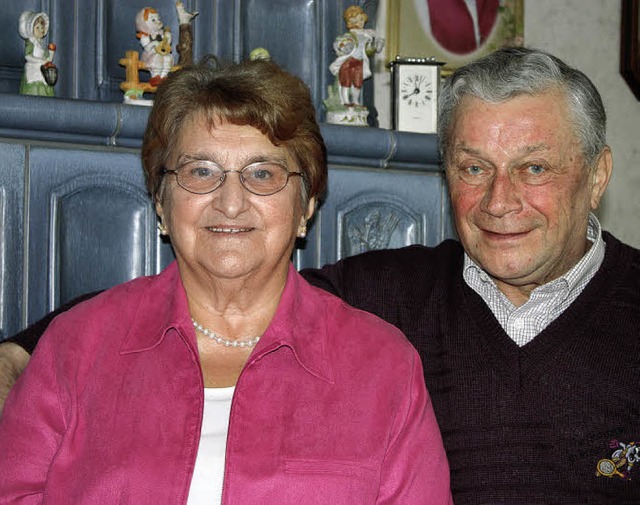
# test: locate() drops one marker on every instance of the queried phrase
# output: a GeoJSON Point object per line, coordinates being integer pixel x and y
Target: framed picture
{"type": "Point", "coordinates": [453, 31]}
{"type": "Point", "coordinates": [630, 45]}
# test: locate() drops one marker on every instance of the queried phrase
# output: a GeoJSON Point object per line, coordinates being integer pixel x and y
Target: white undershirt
{"type": "Point", "coordinates": [206, 484]}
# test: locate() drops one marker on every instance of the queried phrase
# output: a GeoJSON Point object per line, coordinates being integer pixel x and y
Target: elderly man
{"type": "Point", "coordinates": [528, 328]}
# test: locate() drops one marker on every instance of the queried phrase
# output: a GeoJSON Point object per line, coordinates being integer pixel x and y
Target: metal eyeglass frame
{"type": "Point", "coordinates": [223, 177]}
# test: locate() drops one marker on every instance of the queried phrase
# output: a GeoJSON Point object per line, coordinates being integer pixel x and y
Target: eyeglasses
{"type": "Point", "coordinates": [263, 178]}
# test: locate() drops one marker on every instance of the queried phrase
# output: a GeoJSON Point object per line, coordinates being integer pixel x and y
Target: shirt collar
{"type": "Point", "coordinates": [591, 261]}
{"type": "Point", "coordinates": [163, 305]}
{"type": "Point", "coordinates": [586, 267]}
{"type": "Point", "coordinates": [298, 323]}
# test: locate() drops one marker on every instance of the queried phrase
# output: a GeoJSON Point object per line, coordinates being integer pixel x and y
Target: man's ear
{"type": "Point", "coordinates": [600, 176]}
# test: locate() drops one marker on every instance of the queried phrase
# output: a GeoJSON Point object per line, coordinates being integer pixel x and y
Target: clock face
{"type": "Point", "coordinates": [416, 90]}
{"type": "Point", "coordinates": [416, 97]}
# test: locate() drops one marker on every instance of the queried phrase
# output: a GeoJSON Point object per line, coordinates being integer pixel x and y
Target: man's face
{"type": "Point", "coordinates": [520, 190]}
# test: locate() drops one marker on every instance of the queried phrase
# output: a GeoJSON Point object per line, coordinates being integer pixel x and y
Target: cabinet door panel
{"type": "Point", "coordinates": [91, 225]}
{"type": "Point", "coordinates": [376, 209]}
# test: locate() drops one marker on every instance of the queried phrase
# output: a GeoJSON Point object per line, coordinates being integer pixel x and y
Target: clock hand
{"type": "Point", "coordinates": [414, 92]}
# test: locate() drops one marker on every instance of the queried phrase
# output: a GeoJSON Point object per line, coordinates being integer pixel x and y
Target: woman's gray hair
{"type": "Point", "coordinates": [510, 72]}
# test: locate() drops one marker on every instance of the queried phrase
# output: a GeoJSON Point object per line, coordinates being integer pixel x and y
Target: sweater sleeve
{"type": "Point", "coordinates": [28, 338]}
{"type": "Point", "coordinates": [329, 278]}
{"type": "Point", "coordinates": [31, 429]}
{"type": "Point", "coordinates": [353, 279]}
{"type": "Point", "coordinates": [415, 469]}
{"type": "Point", "coordinates": [371, 281]}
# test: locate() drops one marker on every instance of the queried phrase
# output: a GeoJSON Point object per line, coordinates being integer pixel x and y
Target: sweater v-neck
{"type": "Point", "coordinates": [518, 364]}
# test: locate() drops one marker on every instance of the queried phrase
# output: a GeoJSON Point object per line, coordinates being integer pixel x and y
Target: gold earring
{"type": "Point", "coordinates": [161, 228]}
{"type": "Point", "coordinates": [302, 231]}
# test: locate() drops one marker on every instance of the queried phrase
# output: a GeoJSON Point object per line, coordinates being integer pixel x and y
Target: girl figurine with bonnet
{"type": "Point", "coordinates": [40, 74]}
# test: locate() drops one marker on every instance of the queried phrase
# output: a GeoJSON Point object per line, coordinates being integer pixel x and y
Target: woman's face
{"type": "Point", "coordinates": [39, 28]}
{"type": "Point", "coordinates": [230, 233]}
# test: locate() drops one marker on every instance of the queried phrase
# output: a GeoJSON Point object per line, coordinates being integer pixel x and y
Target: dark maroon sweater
{"type": "Point", "coordinates": [520, 425]}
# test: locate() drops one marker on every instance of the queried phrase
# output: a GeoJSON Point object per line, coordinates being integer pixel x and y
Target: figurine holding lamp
{"type": "Point", "coordinates": [39, 74]}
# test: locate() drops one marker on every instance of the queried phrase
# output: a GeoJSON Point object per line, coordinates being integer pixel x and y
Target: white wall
{"type": "Point", "coordinates": [586, 35]}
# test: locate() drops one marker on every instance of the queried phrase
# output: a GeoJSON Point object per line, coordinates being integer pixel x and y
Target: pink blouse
{"type": "Point", "coordinates": [331, 407]}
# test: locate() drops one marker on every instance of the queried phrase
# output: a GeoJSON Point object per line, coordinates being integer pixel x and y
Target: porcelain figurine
{"type": "Point", "coordinates": [40, 74]}
{"type": "Point", "coordinates": [155, 39]}
{"type": "Point", "coordinates": [185, 37]}
{"type": "Point", "coordinates": [353, 50]}
{"type": "Point", "coordinates": [351, 67]}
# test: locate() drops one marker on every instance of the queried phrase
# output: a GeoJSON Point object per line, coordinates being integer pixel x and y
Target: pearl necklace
{"type": "Point", "coordinates": [223, 341]}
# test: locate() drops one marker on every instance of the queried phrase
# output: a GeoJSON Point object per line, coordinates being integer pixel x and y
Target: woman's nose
{"type": "Point", "coordinates": [231, 198]}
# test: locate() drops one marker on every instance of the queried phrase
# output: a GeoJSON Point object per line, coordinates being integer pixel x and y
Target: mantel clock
{"type": "Point", "coordinates": [415, 85]}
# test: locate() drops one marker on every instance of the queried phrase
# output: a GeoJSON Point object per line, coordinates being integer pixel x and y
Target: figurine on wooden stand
{"type": "Point", "coordinates": [155, 39]}
{"type": "Point", "coordinates": [40, 74]}
{"type": "Point", "coordinates": [157, 57]}
{"type": "Point", "coordinates": [351, 67]}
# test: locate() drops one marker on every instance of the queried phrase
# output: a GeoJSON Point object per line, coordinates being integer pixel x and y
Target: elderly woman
{"type": "Point", "coordinates": [226, 378]}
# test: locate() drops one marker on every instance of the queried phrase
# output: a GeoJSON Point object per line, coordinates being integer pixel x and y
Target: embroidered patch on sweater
{"type": "Point", "coordinates": [621, 461]}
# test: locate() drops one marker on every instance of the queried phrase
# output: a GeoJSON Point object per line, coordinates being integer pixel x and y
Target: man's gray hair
{"type": "Point", "coordinates": [510, 72]}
